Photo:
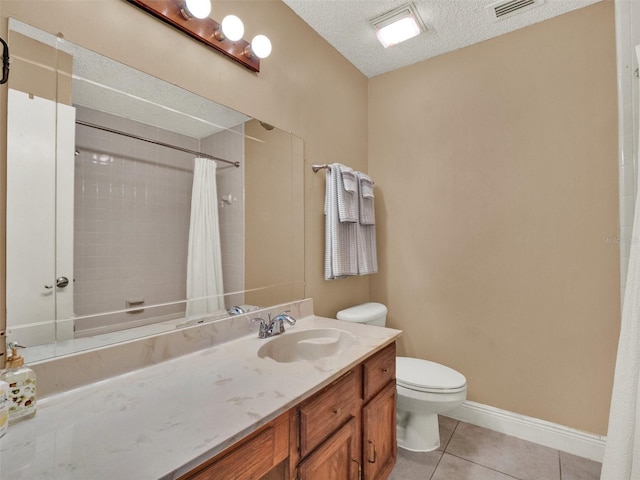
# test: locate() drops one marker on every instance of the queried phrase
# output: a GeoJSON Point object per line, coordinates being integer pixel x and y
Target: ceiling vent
{"type": "Point", "coordinates": [502, 10]}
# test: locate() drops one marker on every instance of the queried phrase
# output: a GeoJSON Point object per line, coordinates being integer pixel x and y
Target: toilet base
{"type": "Point", "coordinates": [416, 432]}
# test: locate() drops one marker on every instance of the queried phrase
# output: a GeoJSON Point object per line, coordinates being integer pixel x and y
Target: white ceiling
{"type": "Point", "coordinates": [451, 25]}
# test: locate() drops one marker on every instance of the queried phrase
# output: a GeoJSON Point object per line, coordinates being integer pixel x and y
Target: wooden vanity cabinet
{"type": "Point", "coordinates": [347, 431]}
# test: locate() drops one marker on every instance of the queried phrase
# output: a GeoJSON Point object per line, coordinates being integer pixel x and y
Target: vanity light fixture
{"type": "Point", "coordinates": [232, 28]}
{"type": "Point", "coordinates": [196, 8]}
{"type": "Point", "coordinates": [192, 18]}
{"type": "Point", "coordinates": [260, 47]}
{"type": "Point", "coordinates": [398, 25]}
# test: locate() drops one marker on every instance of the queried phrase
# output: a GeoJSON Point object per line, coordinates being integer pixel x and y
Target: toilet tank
{"type": "Point", "coordinates": [371, 313]}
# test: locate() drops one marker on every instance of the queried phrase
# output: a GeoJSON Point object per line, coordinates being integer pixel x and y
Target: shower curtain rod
{"type": "Point", "coordinates": [155, 142]}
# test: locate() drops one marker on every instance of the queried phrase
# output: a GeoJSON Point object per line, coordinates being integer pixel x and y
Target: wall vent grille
{"type": "Point", "coordinates": [502, 10]}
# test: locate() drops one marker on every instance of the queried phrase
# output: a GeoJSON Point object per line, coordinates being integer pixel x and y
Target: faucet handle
{"type": "Point", "coordinates": [263, 326]}
{"type": "Point", "coordinates": [286, 317]}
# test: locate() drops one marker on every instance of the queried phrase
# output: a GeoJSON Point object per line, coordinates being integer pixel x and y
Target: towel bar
{"type": "Point", "coordinates": [316, 167]}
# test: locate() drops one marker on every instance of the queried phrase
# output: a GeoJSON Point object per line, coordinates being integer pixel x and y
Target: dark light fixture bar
{"type": "Point", "coordinates": [204, 30]}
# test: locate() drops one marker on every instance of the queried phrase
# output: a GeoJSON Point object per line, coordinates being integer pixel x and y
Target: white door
{"type": "Point", "coordinates": [38, 131]}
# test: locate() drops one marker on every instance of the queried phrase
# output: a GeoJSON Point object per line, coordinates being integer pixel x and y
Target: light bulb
{"type": "Point", "coordinates": [261, 46]}
{"type": "Point", "coordinates": [198, 8]}
{"type": "Point", "coordinates": [232, 28]}
{"type": "Point", "coordinates": [398, 31]}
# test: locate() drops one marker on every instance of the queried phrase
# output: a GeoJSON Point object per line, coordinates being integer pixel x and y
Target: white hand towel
{"type": "Point", "coordinates": [349, 179]}
{"type": "Point", "coordinates": [341, 241]}
{"type": "Point", "coordinates": [366, 185]}
{"type": "Point", "coordinates": [367, 250]}
{"type": "Point", "coordinates": [347, 192]}
{"type": "Point", "coordinates": [367, 210]}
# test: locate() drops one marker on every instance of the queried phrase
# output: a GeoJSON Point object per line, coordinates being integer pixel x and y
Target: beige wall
{"type": "Point", "coordinates": [39, 69]}
{"type": "Point", "coordinates": [305, 87]}
{"type": "Point", "coordinates": [274, 220]}
{"type": "Point", "coordinates": [496, 180]}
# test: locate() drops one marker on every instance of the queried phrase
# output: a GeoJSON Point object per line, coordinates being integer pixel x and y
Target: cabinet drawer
{"type": "Point", "coordinates": [379, 370]}
{"type": "Point", "coordinates": [253, 458]}
{"type": "Point", "coordinates": [326, 412]}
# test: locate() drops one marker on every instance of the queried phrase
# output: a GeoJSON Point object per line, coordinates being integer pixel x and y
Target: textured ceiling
{"type": "Point", "coordinates": [112, 87]}
{"type": "Point", "coordinates": [451, 25]}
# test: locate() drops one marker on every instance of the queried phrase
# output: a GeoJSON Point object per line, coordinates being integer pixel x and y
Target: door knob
{"type": "Point", "coordinates": [62, 282]}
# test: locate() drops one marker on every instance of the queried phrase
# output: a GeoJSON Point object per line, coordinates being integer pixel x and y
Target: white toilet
{"type": "Point", "coordinates": [424, 388]}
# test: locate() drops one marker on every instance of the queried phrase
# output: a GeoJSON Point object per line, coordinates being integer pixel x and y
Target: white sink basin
{"type": "Point", "coordinates": [306, 345]}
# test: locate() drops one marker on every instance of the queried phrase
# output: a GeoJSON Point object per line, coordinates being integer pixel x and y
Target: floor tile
{"type": "Point", "coordinates": [519, 458]}
{"type": "Point", "coordinates": [447, 426]}
{"type": "Point", "coordinates": [454, 468]}
{"type": "Point", "coordinates": [415, 465]}
{"type": "Point", "coordinates": [578, 468]}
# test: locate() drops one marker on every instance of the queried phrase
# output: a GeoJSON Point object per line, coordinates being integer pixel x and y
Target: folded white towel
{"type": "Point", "coordinates": [341, 239]}
{"type": "Point", "coordinates": [367, 210]}
{"type": "Point", "coordinates": [366, 185]}
{"type": "Point", "coordinates": [347, 192]}
{"type": "Point", "coordinates": [349, 179]}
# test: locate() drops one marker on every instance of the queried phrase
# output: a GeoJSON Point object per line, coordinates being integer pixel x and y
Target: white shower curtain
{"type": "Point", "coordinates": [622, 452]}
{"type": "Point", "coordinates": [204, 262]}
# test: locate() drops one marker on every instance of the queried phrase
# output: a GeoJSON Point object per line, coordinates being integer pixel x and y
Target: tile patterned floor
{"type": "Point", "coordinates": [468, 452]}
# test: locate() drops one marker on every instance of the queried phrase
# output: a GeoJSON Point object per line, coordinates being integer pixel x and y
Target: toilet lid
{"type": "Point", "coordinates": [419, 374]}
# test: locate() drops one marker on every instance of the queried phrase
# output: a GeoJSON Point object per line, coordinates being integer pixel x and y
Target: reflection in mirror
{"type": "Point", "coordinates": [135, 206]}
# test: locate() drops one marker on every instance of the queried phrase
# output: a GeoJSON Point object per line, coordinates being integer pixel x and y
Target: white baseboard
{"type": "Point", "coordinates": [559, 437]}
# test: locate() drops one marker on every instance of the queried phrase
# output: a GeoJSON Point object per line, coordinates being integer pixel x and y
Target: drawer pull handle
{"type": "Point", "coordinates": [359, 468]}
{"type": "Point", "coordinates": [375, 454]}
{"type": "Point", "coordinates": [336, 410]}
{"type": "Point", "coordinates": [385, 370]}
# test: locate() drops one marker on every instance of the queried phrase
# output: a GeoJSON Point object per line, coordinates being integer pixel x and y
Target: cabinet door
{"type": "Point", "coordinates": [257, 457]}
{"type": "Point", "coordinates": [337, 458]}
{"type": "Point", "coordinates": [379, 434]}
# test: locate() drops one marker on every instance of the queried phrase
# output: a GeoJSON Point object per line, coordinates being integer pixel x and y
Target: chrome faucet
{"type": "Point", "coordinates": [278, 322]}
{"type": "Point", "coordinates": [235, 310]}
{"type": "Point", "coordinates": [275, 326]}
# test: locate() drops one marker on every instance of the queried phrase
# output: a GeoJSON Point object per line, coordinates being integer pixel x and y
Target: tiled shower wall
{"type": "Point", "coordinates": [627, 36]}
{"type": "Point", "coordinates": [132, 213]}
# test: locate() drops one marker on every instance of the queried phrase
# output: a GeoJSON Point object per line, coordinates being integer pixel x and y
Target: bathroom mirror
{"type": "Point", "coordinates": [106, 203]}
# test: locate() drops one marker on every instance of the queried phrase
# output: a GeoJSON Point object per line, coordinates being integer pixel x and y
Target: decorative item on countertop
{"type": "Point", "coordinates": [22, 386]}
{"type": "Point", "coordinates": [4, 407]}
{"type": "Point", "coordinates": [3, 350]}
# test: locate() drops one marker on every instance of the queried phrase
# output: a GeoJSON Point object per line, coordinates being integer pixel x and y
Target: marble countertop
{"type": "Point", "coordinates": [160, 421]}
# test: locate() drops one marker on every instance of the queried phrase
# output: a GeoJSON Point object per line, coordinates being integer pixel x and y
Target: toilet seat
{"type": "Point", "coordinates": [425, 376]}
